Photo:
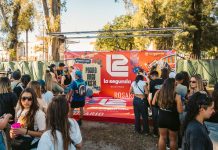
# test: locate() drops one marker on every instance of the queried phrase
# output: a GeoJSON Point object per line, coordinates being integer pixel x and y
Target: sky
{"type": "Point", "coordinates": [89, 15]}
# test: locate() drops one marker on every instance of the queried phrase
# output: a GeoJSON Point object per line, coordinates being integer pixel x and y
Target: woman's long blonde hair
{"type": "Point", "coordinates": [48, 81]}
{"type": "Point", "coordinates": [5, 85]}
{"type": "Point", "coordinates": [199, 82]}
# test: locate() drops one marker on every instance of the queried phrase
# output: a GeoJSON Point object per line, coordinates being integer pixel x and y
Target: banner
{"type": "Point", "coordinates": [111, 73]}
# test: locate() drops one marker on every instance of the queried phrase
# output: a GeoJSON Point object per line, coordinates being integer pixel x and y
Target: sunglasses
{"type": "Point", "coordinates": [26, 98]}
{"type": "Point", "coordinates": [192, 81]}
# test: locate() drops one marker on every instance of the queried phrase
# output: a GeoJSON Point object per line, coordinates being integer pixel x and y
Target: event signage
{"type": "Point", "coordinates": [111, 73]}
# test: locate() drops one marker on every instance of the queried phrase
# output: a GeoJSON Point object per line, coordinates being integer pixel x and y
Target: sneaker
{"type": "Point", "coordinates": [79, 122]}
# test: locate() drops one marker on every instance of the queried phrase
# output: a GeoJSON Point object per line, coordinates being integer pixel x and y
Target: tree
{"type": "Point", "coordinates": [17, 16]}
{"type": "Point", "coordinates": [199, 28]}
{"type": "Point", "coordinates": [116, 43]}
{"type": "Point", "coordinates": [52, 13]}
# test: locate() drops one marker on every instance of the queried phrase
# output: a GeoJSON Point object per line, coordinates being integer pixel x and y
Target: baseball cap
{"type": "Point", "coordinates": [78, 73]}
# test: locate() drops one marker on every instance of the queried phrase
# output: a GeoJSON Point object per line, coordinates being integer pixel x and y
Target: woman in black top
{"type": "Point", "coordinates": [199, 108]}
{"type": "Point", "coordinates": [170, 105]}
{"type": "Point", "coordinates": [66, 80]}
{"type": "Point", "coordinates": [8, 100]}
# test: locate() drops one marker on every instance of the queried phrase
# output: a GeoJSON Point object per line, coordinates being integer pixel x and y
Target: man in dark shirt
{"type": "Point", "coordinates": [155, 84]}
{"type": "Point", "coordinates": [196, 137]}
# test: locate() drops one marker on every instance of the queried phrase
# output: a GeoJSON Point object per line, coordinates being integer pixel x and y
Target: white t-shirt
{"type": "Point", "coordinates": [47, 97]}
{"type": "Point", "coordinates": [140, 85]}
{"type": "Point", "coordinates": [47, 143]}
{"type": "Point", "coordinates": [39, 120]}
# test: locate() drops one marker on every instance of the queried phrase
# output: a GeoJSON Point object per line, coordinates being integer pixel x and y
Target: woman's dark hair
{"type": "Point", "coordinates": [215, 97]}
{"type": "Point", "coordinates": [29, 118]}
{"type": "Point", "coordinates": [51, 67]}
{"type": "Point", "coordinates": [186, 79]}
{"type": "Point", "coordinates": [197, 100]}
{"type": "Point", "coordinates": [166, 96]}
{"type": "Point", "coordinates": [57, 119]}
{"type": "Point", "coordinates": [25, 79]}
{"type": "Point", "coordinates": [139, 77]}
{"type": "Point", "coordinates": [164, 73]}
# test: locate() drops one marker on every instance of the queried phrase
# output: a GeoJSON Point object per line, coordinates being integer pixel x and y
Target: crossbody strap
{"type": "Point", "coordinates": [143, 92]}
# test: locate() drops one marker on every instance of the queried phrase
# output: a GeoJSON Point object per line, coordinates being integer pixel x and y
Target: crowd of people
{"type": "Point", "coordinates": [38, 114]}
{"type": "Point", "coordinates": [183, 110]}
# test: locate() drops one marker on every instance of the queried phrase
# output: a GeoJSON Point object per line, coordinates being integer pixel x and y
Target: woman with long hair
{"type": "Point", "coordinates": [170, 105]}
{"type": "Point", "coordinates": [48, 81]}
{"type": "Point", "coordinates": [62, 132]}
{"type": "Point", "coordinates": [140, 103]}
{"type": "Point", "coordinates": [195, 85]}
{"type": "Point", "coordinates": [199, 108]}
{"type": "Point", "coordinates": [31, 120]}
{"type": "Point", "coordinates": [36, 87]}
{"type": "Point", "coordinates": [8, 100]}
{"type": "Point", "coordinates": [56, 87]}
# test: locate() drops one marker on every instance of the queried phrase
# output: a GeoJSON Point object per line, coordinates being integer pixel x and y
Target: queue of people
{"type": "Point", "coordinates": [38, 114]}
{"type": "Point", "coordinates": [183, 111]}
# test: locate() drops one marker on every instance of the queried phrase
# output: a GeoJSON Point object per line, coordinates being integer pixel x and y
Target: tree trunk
{"type": "Point", "coordinates": [52, 17]}
{"type": "Point", "coordinates": [13, 32]}
{"type": "Point", "coordinates": [197, 14]}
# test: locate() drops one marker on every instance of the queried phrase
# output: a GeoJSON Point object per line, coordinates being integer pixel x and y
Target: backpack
{"type": "Point", "coordinates": [81, 88]}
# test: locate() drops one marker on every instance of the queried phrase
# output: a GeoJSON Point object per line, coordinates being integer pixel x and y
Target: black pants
{"type": "Point", "coordinates": [155, 119]}
{"type": "Point", "coordinates": [141, 109]}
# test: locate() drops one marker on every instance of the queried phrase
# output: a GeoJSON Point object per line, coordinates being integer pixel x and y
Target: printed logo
{"type": "Point", "coordinates": [116, 65]}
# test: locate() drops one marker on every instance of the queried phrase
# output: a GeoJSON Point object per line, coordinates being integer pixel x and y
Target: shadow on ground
{"type": "Point", "coordinates": [110, 136]}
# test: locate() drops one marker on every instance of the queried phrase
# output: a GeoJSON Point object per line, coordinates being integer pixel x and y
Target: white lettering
{"type": "Point", "coordinates": [116, 65]}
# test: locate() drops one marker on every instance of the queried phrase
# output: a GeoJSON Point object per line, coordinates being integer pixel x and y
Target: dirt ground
{"type": "Point", "coordinates": [111, 136]}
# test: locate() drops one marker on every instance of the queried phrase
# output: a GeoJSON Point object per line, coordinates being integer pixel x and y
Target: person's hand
{"type": "Point", "coordinates": [12, 134]}
{"type": "Point", "coordinates": [19, 131]}
{"type": "Point", "coordinates": [7, 116]}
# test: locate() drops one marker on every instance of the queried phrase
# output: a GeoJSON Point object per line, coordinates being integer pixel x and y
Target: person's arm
{"type": "Point", "coordinates": [179, 103]}
{"type": "Point", "coordinates": [155, 97]}
{"type": "Point", "coordinates": [62, 81]}
{"type": "Point", "coordinates": [4, 121]}
{"type": "Point", "coordinates": [146, 89]}
{"type": "Point", "coordinates": [131, 91]}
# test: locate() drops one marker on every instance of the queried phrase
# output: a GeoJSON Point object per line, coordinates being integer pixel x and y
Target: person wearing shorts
{"type": "Point", "coordinates": [77, 101]}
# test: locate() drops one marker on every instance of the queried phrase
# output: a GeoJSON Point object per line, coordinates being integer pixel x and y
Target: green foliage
{"type": "Point", "coordinates": [119, 23]}
{"type": "Point", "coordinates": [195, 17]}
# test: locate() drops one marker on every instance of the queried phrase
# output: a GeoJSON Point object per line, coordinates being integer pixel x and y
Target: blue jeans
{"type": "Point", "coordinates": [2, 145]}
{"type": "Point", "coordinates": [155, 119]}
{"type": "Point", "coordinates": [141, 109]}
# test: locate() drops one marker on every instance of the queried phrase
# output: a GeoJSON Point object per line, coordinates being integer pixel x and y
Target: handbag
{"type": "Point", "coordinates": [23, 143]}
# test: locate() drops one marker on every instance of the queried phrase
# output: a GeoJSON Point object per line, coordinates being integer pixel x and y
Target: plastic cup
{"type": "Point", "coordinates": [16, 125]}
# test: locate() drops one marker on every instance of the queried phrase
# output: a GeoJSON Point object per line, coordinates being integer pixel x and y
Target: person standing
{"type": "Point", "coordinates": [140, 104]}
{"type": "Point", "coordinates": [77, 94]}
{"type": "Point", "coordinates": [155, 84]}
{"type": "Point", "coordinates": [170, 105]}
{"type": "Point", "coordinates": [195, 134]}
{"type": "Point", "coordinates": [8, 100]}
{"type": "Point", "coordinates": [16, 75]}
